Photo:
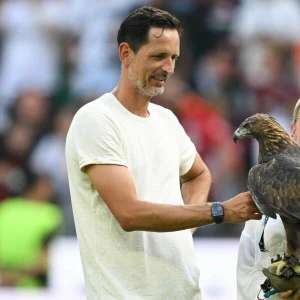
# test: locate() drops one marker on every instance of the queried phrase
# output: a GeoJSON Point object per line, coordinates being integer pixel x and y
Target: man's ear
{"type": "Point", "coordinates": [125, 54]}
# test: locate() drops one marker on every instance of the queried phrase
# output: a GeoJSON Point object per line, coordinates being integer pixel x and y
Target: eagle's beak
{"type": "Point", "coordinates": [241, 133]}
{"type": "Point", "coordinates": [235, 136]}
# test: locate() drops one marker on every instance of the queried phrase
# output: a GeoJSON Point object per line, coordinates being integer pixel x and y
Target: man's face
{"type": "Point", "coordinates": [154, 62]}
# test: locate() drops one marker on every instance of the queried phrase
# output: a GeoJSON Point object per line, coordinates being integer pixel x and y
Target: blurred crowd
{"type": "Point", "coordinates": [238, 57]}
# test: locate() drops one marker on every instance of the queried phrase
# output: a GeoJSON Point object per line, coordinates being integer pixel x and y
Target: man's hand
{"type": "Point", "coordinates": [240, 208]}
{"type": "Point", "coordinates": [288, 295]}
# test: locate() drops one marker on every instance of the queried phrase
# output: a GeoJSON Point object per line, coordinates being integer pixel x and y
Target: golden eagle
{"type": "Point", "coordinates": [274, 184]}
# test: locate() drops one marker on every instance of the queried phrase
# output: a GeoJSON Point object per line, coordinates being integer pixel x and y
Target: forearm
{"type": "Point", "coordinates": [163, 218]}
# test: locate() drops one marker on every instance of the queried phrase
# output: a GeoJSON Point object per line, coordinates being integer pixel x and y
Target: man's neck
{"type": "Point", "coordinates": [132, 101]}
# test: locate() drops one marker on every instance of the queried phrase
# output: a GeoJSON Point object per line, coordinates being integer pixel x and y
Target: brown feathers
{"type": "Point", "coordinates": [271, 136]}
{"type": "Point", "coordinates": [274, 182]}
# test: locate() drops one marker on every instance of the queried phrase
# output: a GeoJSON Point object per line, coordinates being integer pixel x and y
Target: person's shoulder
{"type": "Point", "coordinates": [96, 108]}
{"type": "Point", "coordinates": [100, 104]}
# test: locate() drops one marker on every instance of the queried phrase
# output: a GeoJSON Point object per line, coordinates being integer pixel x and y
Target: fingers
{"type": "Point", "coordinates": [257, 213]}
{"type": "Point", "coordinates": [257, 216]}
{"type": "Point", "coordinates": [241, 208]}
{"type": "Point", "coordinates": [285, 295]}
{"type": "Point", "coordinates": [295, 296]}
{"type": "Point", "coordinates": [255, 210]}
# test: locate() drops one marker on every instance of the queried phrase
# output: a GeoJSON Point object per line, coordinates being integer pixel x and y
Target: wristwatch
{"type": "Point", "coordinates": [217, 212]}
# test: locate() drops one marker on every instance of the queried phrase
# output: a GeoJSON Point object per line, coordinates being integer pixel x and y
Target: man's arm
{"type": "Point", "coordinates": [196, 184]}
{"type": "Point", "coordinates": [116, 187]}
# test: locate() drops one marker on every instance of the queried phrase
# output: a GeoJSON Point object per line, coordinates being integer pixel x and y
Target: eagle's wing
{"type": "Point", "coordinates": [275, 186]}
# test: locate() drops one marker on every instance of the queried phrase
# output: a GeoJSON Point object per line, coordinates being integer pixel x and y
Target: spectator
{"type": "Point", "coordinates": [30, 56]}
{"type": "Point", "coordinates": [16, 146]}
{"type": "Point", "coordinates": [49, 156]}
{"type": "Point", "coordinates": [27, 223]}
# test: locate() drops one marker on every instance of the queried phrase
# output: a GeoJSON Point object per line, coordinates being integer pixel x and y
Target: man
{"type": "Point", "coordinates": [125, 156]}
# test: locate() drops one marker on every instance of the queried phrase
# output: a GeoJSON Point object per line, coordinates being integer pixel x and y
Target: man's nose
{"type": "Point", "coordinates": [169, 66]}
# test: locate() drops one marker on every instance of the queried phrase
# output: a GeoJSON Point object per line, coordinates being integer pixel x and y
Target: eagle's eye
{"type": "Point", "coordinates": [247, 125]}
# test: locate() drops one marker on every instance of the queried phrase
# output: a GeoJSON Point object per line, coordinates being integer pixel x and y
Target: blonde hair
{"type": "Point", "coordinates": [296, 112]}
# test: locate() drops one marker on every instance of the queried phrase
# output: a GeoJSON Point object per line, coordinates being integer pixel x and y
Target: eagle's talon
{"type": "Point", "coordinates": [277, 267]}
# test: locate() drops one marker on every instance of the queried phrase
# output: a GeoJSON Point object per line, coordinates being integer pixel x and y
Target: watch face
{"type": "Point", "coordinates": [217, 212]}
{"type": "Point", "coordinates": [217, 209]}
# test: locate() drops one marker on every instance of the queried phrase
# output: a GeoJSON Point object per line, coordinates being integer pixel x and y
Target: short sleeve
{"type": "Point", "coordinates": [97, 139]}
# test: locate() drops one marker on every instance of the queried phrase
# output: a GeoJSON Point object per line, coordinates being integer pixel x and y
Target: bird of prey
{"type": "Point", "coordinates": [274, 183]}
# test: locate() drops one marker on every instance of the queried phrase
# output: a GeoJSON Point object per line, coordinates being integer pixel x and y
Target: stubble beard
{"type": "Point", "coordinates": [142, 87]}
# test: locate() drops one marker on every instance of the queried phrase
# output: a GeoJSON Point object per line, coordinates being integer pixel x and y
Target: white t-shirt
{"type": "Point", "coordinates": [139, 264]}
{"type": "Point", "coordinates": [251, 260]}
